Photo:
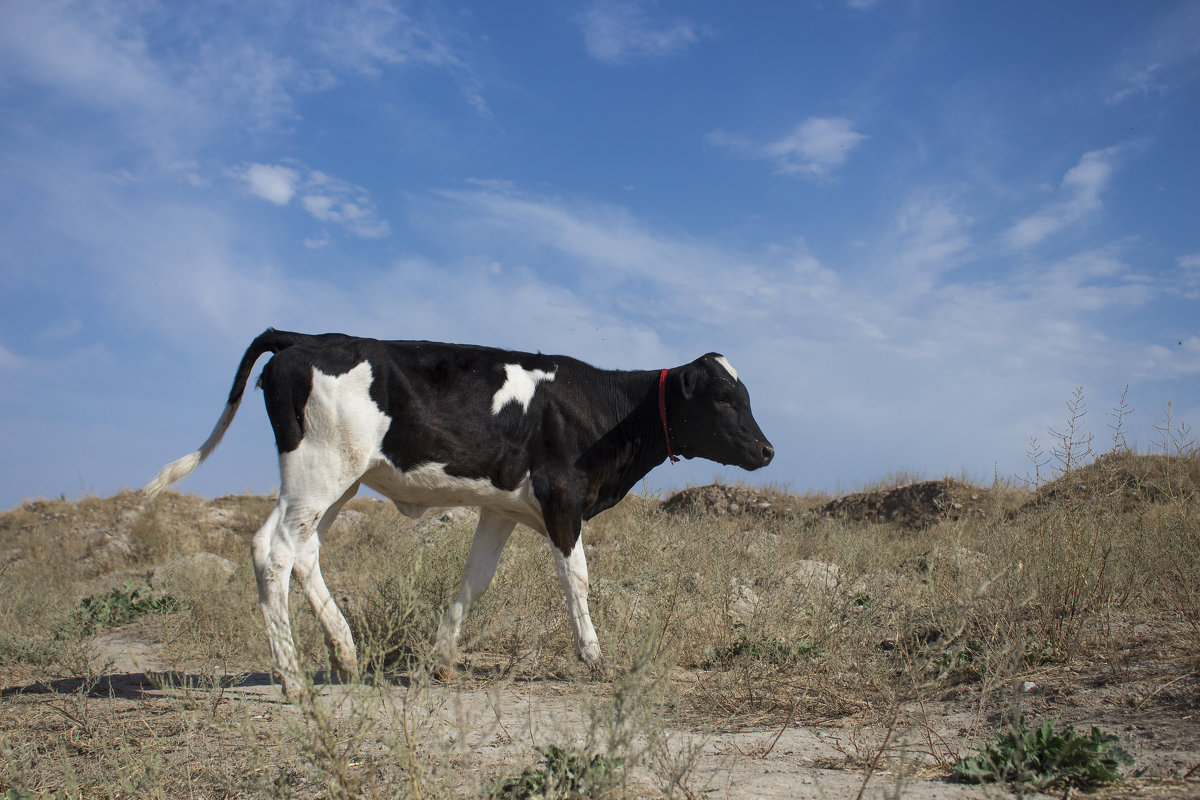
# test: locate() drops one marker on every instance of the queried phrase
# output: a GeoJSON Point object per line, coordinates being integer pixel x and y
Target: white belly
{"type": "Point", "coordinates": [428, 486]}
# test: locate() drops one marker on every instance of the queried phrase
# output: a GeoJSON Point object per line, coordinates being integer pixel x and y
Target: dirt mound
{"type": "Point", "coordinates": [916, 506]}
{"type": "Point", "coordinates": [1127, 478]}
{"type": "Point", "coordinates": [718, 499]}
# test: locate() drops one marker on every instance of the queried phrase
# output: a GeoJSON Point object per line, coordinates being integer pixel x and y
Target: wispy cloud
{"type": "Point", "coordinates": [1159, 64]}
{"type": "Point", "coordinates": [815, 148]}
{"type": "Point", "coordinates": [618, 32]}
{"type": "Point", "coordinates": [1080, 192]}
{"type": "Point", "coordinates": [8, 361]}
{"type": "Point", "coordinates": [365, 37]}
{"type": "Point", "coordinates": [326, 198]}
{"type": "Point", "coordinates": [1189, 274]}
{"type": "Point", "coordinates": [788, 291]}
{"type": "Point", "coordinates": [244, 70]}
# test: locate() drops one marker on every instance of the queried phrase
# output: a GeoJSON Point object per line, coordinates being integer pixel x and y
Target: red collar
{"type": "Point", "coordinates": [662, 412]}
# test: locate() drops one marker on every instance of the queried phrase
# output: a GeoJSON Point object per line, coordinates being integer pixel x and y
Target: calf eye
{"type": "Point", "coordinates": [723, 398]}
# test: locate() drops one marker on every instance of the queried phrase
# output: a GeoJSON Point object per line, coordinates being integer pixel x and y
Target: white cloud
{"type": "Point", "coordinates": [928, 238]}
{"type": "Point", "coordinates": [617, 32]}
{"type": "Point", "coordinates": [317, 242]}
{"type": "Point", "coordinates": [817, 146]}
{"type": "Point", "coordinates": [1136, 82]}
{"type": "Point", "coordinates": [336, 201]}
{"type": "Point", "coordinates": [1080, 191]}
{"type": "Point", "coordinates": [274, 183]}
{"type": "Point", "coordinates": [327, 198]}
{"type": "Point", "coordinates": [1031, 230]}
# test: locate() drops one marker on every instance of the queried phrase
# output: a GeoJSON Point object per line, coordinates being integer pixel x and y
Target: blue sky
{"type": "Point", "coordinates": [914, 227]}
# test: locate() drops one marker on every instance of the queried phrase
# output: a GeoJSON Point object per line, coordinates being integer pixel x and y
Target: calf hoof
{"type": "Point", "coordinates": [590, 655]}
{"type": "Point", "coordinates": [345, 667]}
{"type": "Point", "coordinates": [292, 688]}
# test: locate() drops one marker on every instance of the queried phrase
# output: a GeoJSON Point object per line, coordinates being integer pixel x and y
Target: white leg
{"type": "Point", "coordinates": [573, 575]}
{"type": "Point", "coordinates": [490, 537]}
{"type": "Point", "coordinates": [274, 555]}
{"type": "Point", "coordinates": [342, 654]}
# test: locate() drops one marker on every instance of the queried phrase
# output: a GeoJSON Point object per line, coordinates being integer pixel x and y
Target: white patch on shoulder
{"type": "Point", "coordinates": [519, 386]}
{"type": "Point", "coordinates": [728, 367]}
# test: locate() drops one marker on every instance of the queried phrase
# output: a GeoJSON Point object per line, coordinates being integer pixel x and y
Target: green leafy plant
{"type": "Point", "coordinates": [771, 650]}
{"type": "Point", "coordinates": [122, 604]}
{"type": "Point", "coordinates": [563, 774]}
{"type": "Point", "coordinates": [1044, 758]}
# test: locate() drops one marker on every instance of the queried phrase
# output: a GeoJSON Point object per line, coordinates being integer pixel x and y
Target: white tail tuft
{"type": "Point", "coordinates": [173, 473]}
{"type": "Point", "coordinates": [179, 469]}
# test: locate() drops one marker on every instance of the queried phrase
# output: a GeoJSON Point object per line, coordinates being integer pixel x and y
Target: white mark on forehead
{"type": "Point", "coordinates": [728, 367]}
{"type": "Point", "coordinates": [519, 386]}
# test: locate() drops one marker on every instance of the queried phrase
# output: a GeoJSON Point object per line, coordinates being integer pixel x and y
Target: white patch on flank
{"type": "Point", "coordinates": [518, 386]}
{"type": "Point", "coordinates": [728, 367]}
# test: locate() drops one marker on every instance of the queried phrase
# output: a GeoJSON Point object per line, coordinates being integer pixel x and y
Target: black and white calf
{"type": "Point", "coordinates": [547, 441]}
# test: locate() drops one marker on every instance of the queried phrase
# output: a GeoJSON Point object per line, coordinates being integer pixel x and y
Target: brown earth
{"type": "Point", "coordinates": [916, 506]}
{"type": "Point", "coordinates": [720, 499]}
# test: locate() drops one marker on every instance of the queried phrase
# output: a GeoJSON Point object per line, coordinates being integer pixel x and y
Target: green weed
{"type": "Point", "coordinates": [563, 774]}
{"type": "Point", "coordinates": [120, 605]}
{"type": "Point", "coordinates": [1043, 758]}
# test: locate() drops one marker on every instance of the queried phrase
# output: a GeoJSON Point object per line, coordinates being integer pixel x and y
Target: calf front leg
{"type": "Point", "coordinates": [573, 575]}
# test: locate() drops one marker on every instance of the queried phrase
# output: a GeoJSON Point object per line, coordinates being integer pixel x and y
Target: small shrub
{"type": "Point", "coordinates": [1043, 758]}
{"type": "Point", "coordinates": [120, 605]}
{"type": "Point", "coordinates": [562, 774]}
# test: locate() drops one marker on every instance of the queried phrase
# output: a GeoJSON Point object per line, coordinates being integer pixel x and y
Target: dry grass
{"type": "Point", "coordinates": [708, 622]}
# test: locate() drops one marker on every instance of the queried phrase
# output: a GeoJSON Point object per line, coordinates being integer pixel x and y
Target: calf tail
{"type": "Point", "coordinates": [271, 341]}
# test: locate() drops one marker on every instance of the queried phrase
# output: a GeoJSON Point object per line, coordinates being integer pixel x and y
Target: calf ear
{"type": "Point", "coordinates": [687, 381]}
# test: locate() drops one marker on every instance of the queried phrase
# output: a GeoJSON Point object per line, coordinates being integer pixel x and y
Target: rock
{"type": "Point", "coordinates": [813, 576]}
{"type": "Point", "coordinates": [743, 601]}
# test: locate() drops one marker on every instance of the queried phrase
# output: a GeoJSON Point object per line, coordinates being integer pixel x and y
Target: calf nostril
{"type": "Point", "coordinates": [768, 452]}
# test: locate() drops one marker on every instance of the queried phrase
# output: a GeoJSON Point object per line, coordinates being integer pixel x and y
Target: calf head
{"type": "Point", "coordinates": [710, 415]}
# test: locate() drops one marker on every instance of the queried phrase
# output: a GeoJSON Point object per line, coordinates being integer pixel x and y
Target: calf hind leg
{"type": "Point", "coordinates": [274, 556]}
{"type": "Point", "coordinates": [343, 656]}
{"type": "Point", "coordinates": [490, 537]}
{"type": "Point", "coordinates": [290, 539]}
